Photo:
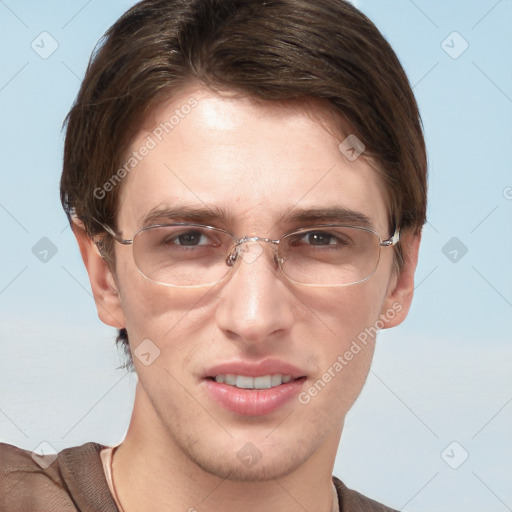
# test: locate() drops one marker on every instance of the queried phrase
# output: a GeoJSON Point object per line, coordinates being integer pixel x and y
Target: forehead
{"type": "Point", "coordinates": [256, 162]}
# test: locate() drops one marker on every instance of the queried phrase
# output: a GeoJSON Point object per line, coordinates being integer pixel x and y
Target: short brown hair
{"type": "Point", "coordinates": [275, 50]}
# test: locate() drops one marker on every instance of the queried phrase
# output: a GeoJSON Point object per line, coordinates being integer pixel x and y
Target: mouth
{"type": "Point", "coordinates": [248, 382]}
{"type": "Point", "coordinates": [254, 389]}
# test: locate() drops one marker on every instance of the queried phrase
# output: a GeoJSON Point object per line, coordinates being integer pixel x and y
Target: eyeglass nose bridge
{"type": "Point", "coordinates": [236, 250]}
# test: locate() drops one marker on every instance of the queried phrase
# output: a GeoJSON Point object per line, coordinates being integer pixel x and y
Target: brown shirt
{"type": "Point", "coordinates": [75, 482]}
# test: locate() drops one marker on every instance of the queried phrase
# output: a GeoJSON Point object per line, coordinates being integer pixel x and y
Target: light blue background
{"type": "Point", "coordinates": [443, 376]}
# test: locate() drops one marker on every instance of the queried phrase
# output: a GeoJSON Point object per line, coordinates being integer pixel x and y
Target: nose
{"type": "Point", "coordinates": [255, 303]}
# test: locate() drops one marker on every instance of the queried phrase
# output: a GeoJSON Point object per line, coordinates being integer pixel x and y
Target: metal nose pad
{"type": "Point", "coordinates": [232, 257]}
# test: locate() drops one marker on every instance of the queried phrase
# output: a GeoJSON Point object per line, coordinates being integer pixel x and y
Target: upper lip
{"type": "Point", "coordinates": [255, 369]}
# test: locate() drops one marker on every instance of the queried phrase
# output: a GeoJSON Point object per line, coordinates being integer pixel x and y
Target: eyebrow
{"type": "Point", "coordinates": [186, 213]}
{"type": "Point", "coordinates": [330, 215]}
{"type": "Point", "coordinates": [216, 215]}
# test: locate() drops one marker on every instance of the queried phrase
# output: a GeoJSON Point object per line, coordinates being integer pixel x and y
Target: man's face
{"type": "Point", "coordinates": [258, 163]}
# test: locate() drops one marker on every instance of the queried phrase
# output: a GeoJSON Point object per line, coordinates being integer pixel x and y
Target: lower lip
{"type": "Point", "coordinates": [253, 402]}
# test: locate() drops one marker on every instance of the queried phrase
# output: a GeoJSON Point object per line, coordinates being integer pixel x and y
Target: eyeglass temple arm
{"type": "Point", "coordinates": [393, 240]}
{"type": "Point", "coordinates": [116, 236]}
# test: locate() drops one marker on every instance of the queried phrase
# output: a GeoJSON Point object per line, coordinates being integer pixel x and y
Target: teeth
{"type": "Point", "coordinates": [245, 382]}
{"type": "Point", "coordinates": [275, 380]}
{"type": "Point", "coordinates": [230, 379]}
{"type": "Point", "coordinates": [264, 382]}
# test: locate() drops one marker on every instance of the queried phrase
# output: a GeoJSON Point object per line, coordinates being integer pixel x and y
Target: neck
{"type": "Point", "coordinates": [151, 472]}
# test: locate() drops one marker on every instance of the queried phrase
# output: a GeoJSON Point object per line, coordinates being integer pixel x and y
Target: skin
{"type": "Point", "coordinates": [258, 161]}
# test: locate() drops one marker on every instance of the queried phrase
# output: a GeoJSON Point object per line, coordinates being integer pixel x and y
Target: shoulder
{"type": "Point", "coordinates": [46, 483]}
{"type": "Point", "coordinates": [352, 501]}
{"type": "Point", "coordinates": [28, 482]}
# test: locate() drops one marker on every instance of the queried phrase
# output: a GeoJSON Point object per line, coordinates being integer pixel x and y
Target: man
{"type": "Point", "coordinates": [246, 181]}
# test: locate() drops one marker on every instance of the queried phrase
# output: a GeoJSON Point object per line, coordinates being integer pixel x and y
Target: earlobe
{"type": "Point", "coordinates": [401, 289]}
{"type": "Point", "coordinates": [103, 285]}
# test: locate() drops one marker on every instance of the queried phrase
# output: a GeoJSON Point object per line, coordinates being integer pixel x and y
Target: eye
{"type": "Point", "coordinates": [180, 238]}
{"type": "Point", "coordinates": [189, 238]}
{"type": "Point", "coordinates": [319, 238]}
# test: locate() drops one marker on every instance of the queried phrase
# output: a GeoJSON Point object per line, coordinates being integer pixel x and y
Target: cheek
{"type": "Point", "coordinates": [163, 313]}
{"type": "Point", "coordinates": [343, 328]}
{"type": "Point", "coordinates": [342, 313]}
{"type": "Point", "coordinates": [340, 350]}
{"type": "Point", "coordinates": [154, 311]}
{"type": "Point", "coordinates": [175, 322]}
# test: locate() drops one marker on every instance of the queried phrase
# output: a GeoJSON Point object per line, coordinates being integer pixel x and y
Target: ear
{"type": "Point", "coordinates": [401, 286]}
{"type": "Point", "coordinates": [104, 289]}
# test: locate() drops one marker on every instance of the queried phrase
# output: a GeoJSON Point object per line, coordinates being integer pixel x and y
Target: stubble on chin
{"type": "Point", "coordinates": [248, 463]}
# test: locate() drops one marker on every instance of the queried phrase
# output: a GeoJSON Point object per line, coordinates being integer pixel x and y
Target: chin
{"type": "Point", "coordinates": [258, 466]}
